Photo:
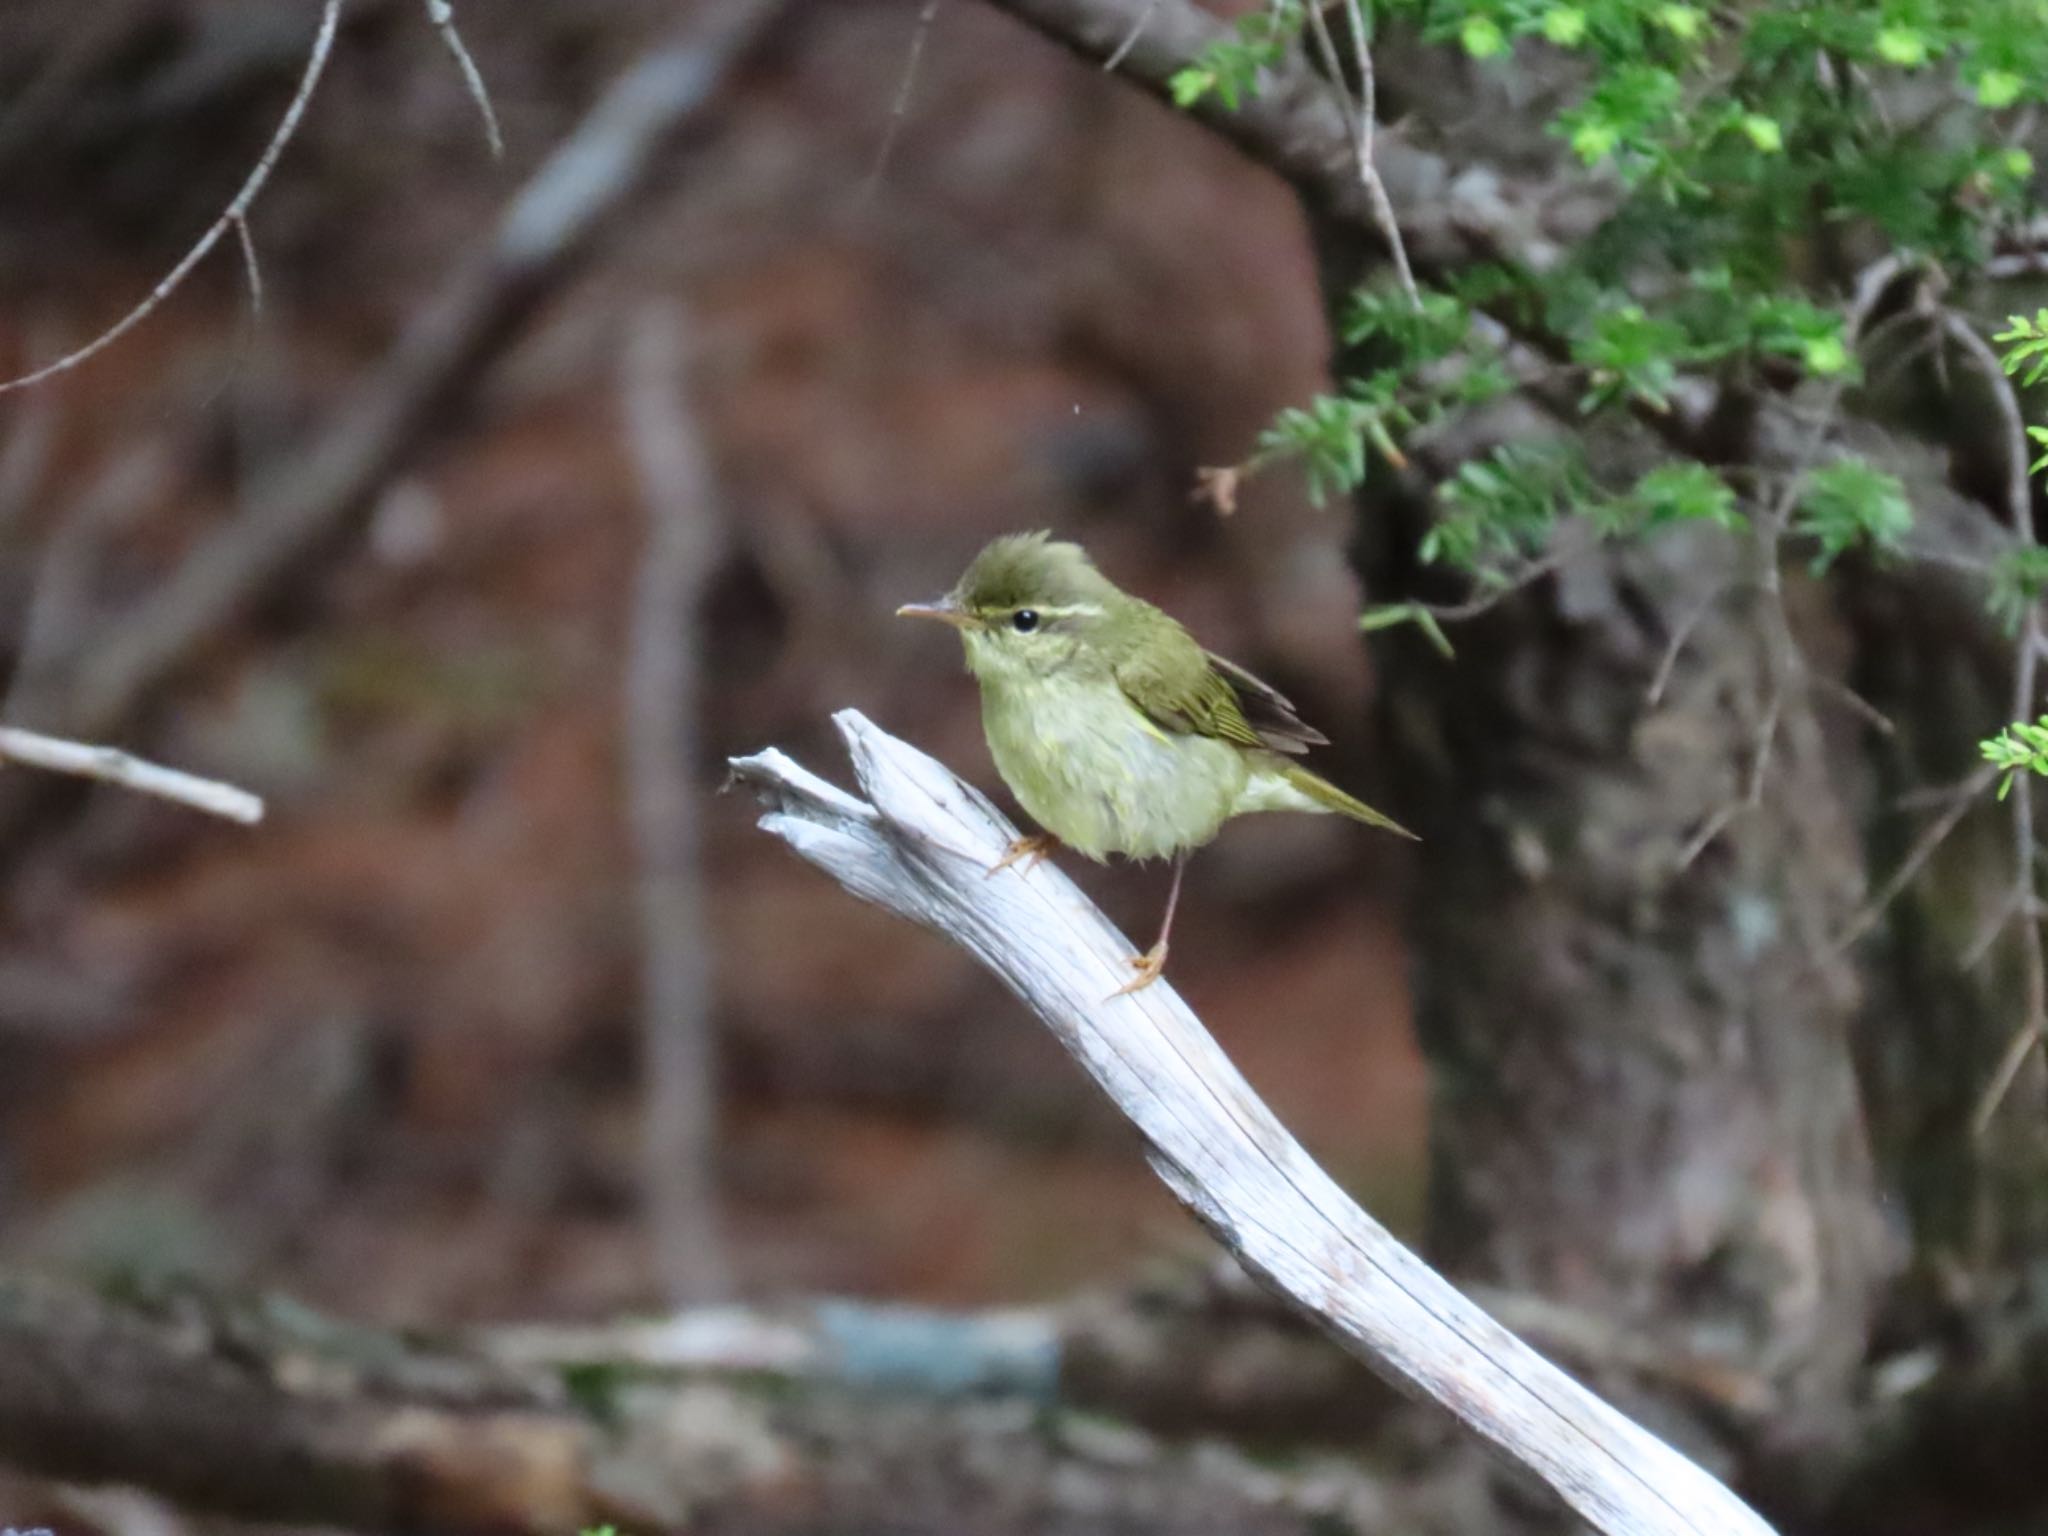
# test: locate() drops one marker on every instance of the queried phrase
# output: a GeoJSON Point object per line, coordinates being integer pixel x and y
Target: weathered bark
{"type": "Point", "coordinates": [1644, 1095]}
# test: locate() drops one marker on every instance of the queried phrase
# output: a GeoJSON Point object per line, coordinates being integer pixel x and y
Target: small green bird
{"type": "Point", "coordinates": [1112, 726]}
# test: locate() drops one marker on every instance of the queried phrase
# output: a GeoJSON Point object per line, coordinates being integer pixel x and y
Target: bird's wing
{"type": "Point", "coordinates": [1267, 710]}
{"type": "Point", "coordinates": [1184, 688]}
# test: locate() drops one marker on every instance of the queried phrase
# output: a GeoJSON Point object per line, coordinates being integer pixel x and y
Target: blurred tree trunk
{"type": "Point", "coordinates": [1646, 1103]}
{"type": "Point", "coordinates": [1943, 1008]}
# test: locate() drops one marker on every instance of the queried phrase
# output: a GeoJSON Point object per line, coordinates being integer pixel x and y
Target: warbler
{"type": "Point", "coordinates": [1117, 732]}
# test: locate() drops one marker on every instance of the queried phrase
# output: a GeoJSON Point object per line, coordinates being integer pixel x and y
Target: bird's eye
{"type": "Point", "coordinates": [1024, 620]}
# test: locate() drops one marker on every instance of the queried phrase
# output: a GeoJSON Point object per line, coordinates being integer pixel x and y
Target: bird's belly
{"type": "Point", "coordinates": [1094, 772]}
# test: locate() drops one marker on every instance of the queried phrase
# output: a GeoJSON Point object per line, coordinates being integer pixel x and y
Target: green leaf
{"type": "Point", "coordinates": [1191, 84]}
{"type": "Point", "coordinates": [1764, 132]}
{"type": "Point", "coordinates": [2025, 346]}
{"type": "Point", "coordinates": [1851, 503]}
{"type": "Point", "coordinates": [1997, 88]}
{"type": "Point", "coordinates": [1826, 355]}
{"type": "Point", "coordinates": [1684, 22]}
{"type": "Point", "coordinates": [1630, 354]}
{"type": "Point", "coordinates": [1493, 513]}
{"type": "Point", "coordinates": [1434, 633]}
{"type": "Point", "coordinates": [1903, 46]}
{"type": "Point", "coordinates": [1594, 140]}
{"type": "Point", "coordinates": [1388, 615]}
{"type": "Point", "coordinates": [2019, 748]}
{"type": "Point", "coordinates": [1684, 493]}
{"type": "Point", "coordinates": [1564, 25]}
{"type": "Point", "coordinates": [2018, 578]}
{"type": "Point", "coordinates": [1482, 37]}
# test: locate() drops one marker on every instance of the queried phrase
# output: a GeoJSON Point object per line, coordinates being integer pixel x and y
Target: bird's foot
{"type": "Point", "coordinates": [1148, 966]}
{"type": "Point", "coordinates": [1035, 847]}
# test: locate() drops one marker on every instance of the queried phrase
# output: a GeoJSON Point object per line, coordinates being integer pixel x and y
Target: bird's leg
{"type": "Point", "coordinates": [1153, 961]}
{"type": "Point", "coordinates": [1033, 847]}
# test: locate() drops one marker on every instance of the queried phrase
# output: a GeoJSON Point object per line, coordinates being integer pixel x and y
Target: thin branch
{"type": "Point", "coordinates": [920, 846]}
{"type": "Point", "coordinates": [1472, 608]}
{"type": "Point", "coordinates": [1368, 162]}
{"type": "Point", "coordinates": [1839, 692]}
{"type": "Point", "coordinates": [663, 689]}
{"type": "Point", "coordinates": [1681, 632]}
{"type": "Point", "coordinates": [899, 109]}
{"type": "Point", "coordinates": [1959, 797]}
{"type": "Point", "coordinates": [252, 269]}
{"type": "Point", "coordinates": [110, 765]}
{"type": "Point", "coordinates": [1360, 115]}
{"type": "Point", "coordinates": [230, 219]}
{"type": "Point", "coordinates": [1753, 784]}
{"type": "Point", "coordinates": [1123, 49]}
{"type": "Point", "coordinates": [441, 16]}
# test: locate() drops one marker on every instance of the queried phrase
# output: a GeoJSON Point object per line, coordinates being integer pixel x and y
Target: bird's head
{"type": "Point", "coordinates": [1028, 605]}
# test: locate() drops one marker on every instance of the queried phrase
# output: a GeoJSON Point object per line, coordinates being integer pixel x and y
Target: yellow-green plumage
{"type": "Point", "coordinates": [1113, 727]}
{"type": "Point", "coordinates": [1116, 731]}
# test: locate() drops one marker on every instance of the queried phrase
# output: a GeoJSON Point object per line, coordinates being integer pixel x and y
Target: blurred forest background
{"type": "Point", "coordinates": [385, 1054]}
{"type": "Point", "coordinates": [407, 1008]}
{"type": "Point", "coordinates": [533, 489]}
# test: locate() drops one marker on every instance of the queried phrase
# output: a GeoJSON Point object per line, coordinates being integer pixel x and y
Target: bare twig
{"type": "Point", "coordinates": [1362, 113]}
{"type": "Point", "coordinates": [1681, 632]}
{"type": "Point", "coordinates": [230, 219]}
{"type": "Point", "coordinates": [1839, 692]}
{"type": "Point", "coordinates": [899, 109]}
{"type": "Point", "coordinates": [441, 16]}
{"type": "Point", "coordinates": [920, 846]}
{"type": "Point", "coordinates": [1753, 783]}
{"type": "Point", "coordinates": [1123, 49]}
{"type": "Point", "coordinates": [252, 269]}
{"type": "Point", "coordinates": [110, 765]}
{"type": "Point", "coordinates": [1472, 608]}
{"type": "Point", "coordinates": [1368, 163]}
{"type": "Point", "coordinates": [660, 729]}
{"type": "Point", "coordinates": [1959, 798]}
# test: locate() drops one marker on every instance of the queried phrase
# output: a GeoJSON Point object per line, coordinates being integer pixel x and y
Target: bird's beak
{"type": "Point", "coordinates": [945, 610]}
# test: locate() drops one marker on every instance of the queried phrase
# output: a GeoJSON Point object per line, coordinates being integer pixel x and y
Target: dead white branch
{"type": "Point", "coordinates": [110, 765]}
{"type": "Point", "coordinates": [920, 846]}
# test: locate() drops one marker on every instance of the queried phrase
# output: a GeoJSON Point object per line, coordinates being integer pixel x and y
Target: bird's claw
{"type": "Point", "coordinates": [1148, 967]}
{"type": "Point", "coordinates": [1034, 847]}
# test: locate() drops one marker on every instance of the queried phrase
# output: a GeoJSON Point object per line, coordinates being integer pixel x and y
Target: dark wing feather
{"type": "Point", "coordinates": [1184, 688]}
{"type": "Point", "coordinates": [1267, 710]}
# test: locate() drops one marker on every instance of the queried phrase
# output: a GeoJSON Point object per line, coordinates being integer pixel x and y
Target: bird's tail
{"type": "Point", "coordinates": [1331, 798]}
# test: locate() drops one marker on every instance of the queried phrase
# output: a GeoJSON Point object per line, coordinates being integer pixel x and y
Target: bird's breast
{"type": "Point", "coordinates": [1092, 770]}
